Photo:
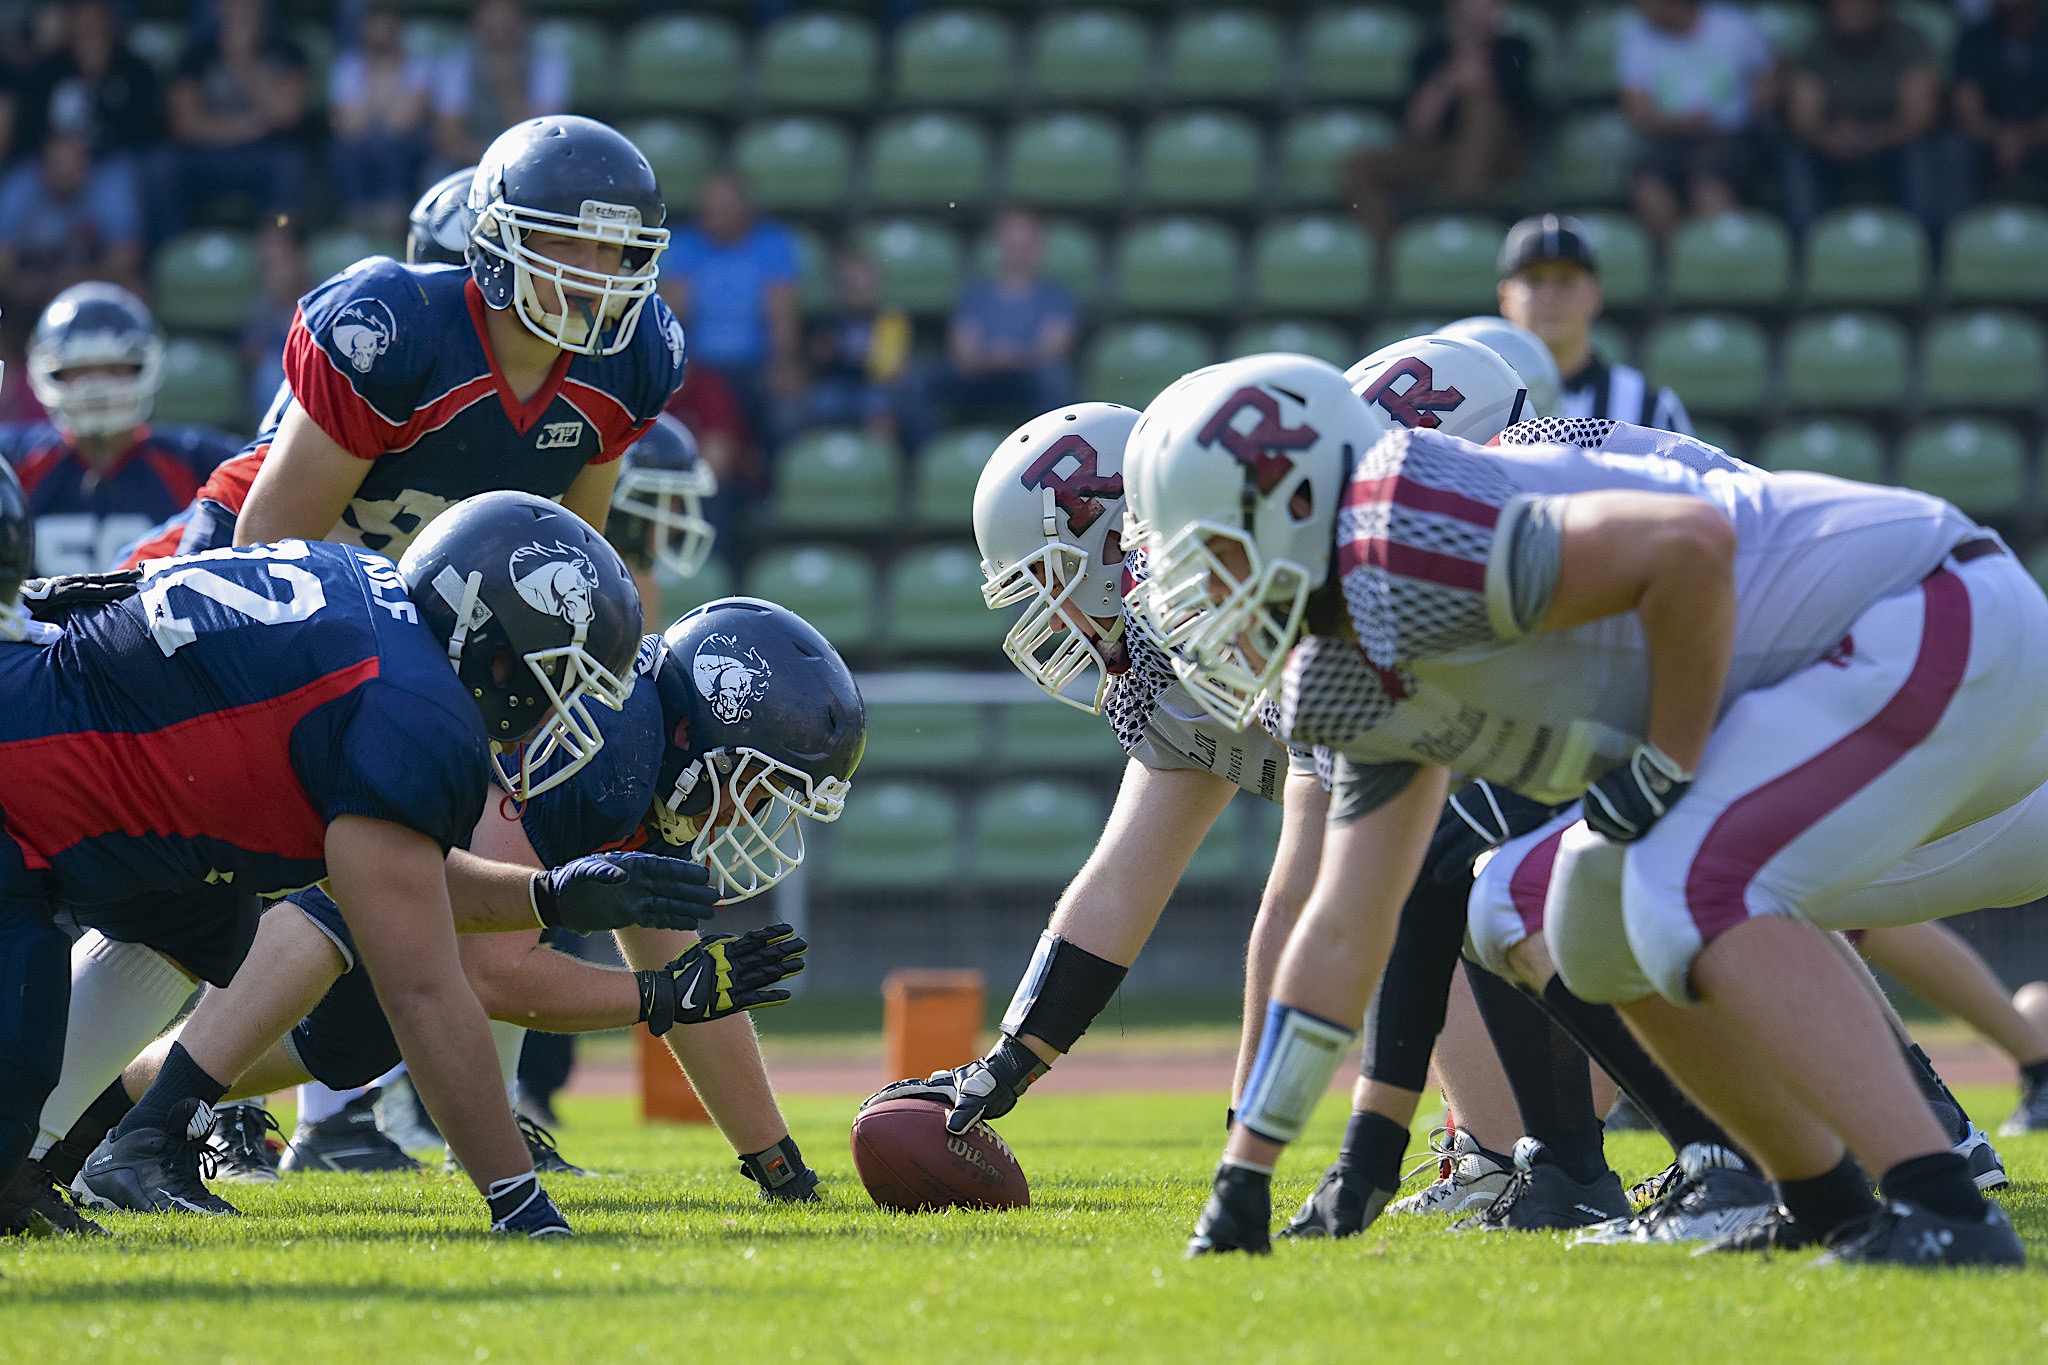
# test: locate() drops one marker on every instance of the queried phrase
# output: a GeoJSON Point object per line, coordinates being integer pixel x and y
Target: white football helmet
{"type": "Point", "coordinates": [1049, 518]}
{"type": "Point", "coordinates": [664, 482]}
{"type": "Point", "coordinates": [1442, 383]}
{"type": "Point", "coordinates": [1525, 354]}
{"type": "Point", "coordinates": [1246, 460]}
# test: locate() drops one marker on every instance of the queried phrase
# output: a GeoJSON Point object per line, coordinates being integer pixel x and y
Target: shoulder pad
{"type": "Point", "coordinates": [381, 331]}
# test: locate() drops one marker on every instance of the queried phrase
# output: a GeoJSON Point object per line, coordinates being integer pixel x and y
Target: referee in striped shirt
{"type": "Point", "coordinates": [1550, 284]}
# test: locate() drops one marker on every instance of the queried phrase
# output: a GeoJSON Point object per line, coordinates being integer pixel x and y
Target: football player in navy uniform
{"type": "Point", "coordinates": [99, 474]}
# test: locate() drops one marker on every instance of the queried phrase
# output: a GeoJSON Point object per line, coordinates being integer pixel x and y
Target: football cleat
{"type": "Point", "coordinates": [1906, 1234]}
{"type": "Point", "coordinates": [1469, 1177]}
{"type": "Point", "coordinates": [34, 1206]}
{"type": "Point", "coordinates": [1650, 1189]}
{"type": "Point", "coordinates": [1777, 1230]}
{"type": "Point", "coordinates": [540, 1148]}
{"type": "Point", "coordinates": [404, 1118]}
{"type": "Point", "coordinates": [155, 1170]}
{"type": "Point", "coordinates": [242, 1150]}
{"type": "Point", "coordinates": [1238, 1216]}
{"type": "Point", "coordinates": [1343, 1205]}
{"type": "Point", "coordinates": [1542, 1196]}
{"type": "Point", "coordinates": [348, 1140]}
{"type": "Point", "coordinates": [1715, 1196]}
{"type": "Point", "coordinates": [1986, 1167]}
{"type": "Point", "coordinates": [2032, 1114]}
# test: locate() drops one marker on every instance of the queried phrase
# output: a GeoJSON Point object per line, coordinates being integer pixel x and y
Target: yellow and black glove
{"type": "Point", "coordinates": [720, 974]}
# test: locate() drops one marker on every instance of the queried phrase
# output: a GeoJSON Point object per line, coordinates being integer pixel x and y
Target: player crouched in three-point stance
{"type": "Point", "coordinates": [1772, 692]}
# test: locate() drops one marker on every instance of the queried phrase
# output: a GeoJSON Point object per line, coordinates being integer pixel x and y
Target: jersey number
{"type": "Point", "coordinates": [172, 633]}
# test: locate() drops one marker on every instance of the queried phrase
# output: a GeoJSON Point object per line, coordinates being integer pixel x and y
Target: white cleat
{"type": "Point", "coordinates": [1469, 1177]}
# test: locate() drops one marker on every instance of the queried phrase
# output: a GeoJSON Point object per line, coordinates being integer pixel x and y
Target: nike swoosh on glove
{"type": "Point", "coordinates": [985, 1089]}
{"type": "Point", "coordinates": [618, 890]}
{"type": "Point", "coordinates": [1625, 802]}
{"type": "Point", "coordinates": [720, 974]}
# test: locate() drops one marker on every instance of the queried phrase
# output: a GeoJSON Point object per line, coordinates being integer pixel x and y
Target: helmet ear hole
{"type": "Point", "coordinates": [679, 738]}
{"type": "Point", "coordinates": [1301, 504]}
{"type": "Point", "coordinates": [501, 666]}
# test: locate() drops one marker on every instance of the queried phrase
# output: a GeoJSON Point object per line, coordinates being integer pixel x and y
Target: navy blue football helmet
{"type": "Point", "coordinates": [437, 231]}
{"type": "Point", "coordinates": [765, 726]}
{"type": "Point", "coordinates": [664, 483]}
{"type": "Point", "coordinates": [105, 329]}
{"type": "Point", "coordinates": [572, 177]}
{"type": "Point", "coordinates": [509, 579]}
{"type": "Point", "coordinates": [17, 552]}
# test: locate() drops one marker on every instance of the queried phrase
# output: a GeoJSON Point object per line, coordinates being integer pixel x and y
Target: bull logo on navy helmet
{"type": "Point", "coordinates": [729, 677]}
{"type": "Point", "coordinates": [555, 579]}
{"type": "Point", "coordinates": [364, 330]}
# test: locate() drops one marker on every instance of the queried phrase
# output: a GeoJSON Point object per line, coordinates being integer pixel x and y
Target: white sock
{"type": "Point", "coordinates": [510, 1038]}
{"type": "Point", "coordinates": [123, 996]}
{"type": "Point", "coordinates": [317, 1102]}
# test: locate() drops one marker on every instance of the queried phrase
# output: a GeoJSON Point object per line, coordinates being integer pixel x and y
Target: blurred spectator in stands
{"type": "Point", "coordinates": [732, 279]}
{"type": "Point", "coordinates": [1009, 346]}
{"type": "Point", "coordinates": [281, 255]}
{"type": "Point", "coordinates": [856, 355]}
{"type": "Point", "coordinates": [1862, 102]}
{"type": "Point", "coordinates": [2001, 98]}
{"type": "Point", "coordinates": [708, 406]}
{"type": "Point", "coordinates": [94, 83]}
{"type": "Point", "coordinates": [1468, 95]}
{"type": "Point", "coordinates": [379, 102]}
{"type": "Point", "coordinates": [1696, 79]}
{"type": "Point", "coordinates": [493, 81]}
{"type": "Point", "coordinates": [65, 218]}
{"type": "Point", "coordinates": [237, 110]}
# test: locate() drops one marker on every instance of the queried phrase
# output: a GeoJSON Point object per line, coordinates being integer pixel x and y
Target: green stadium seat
{"type": "Point", "coordinates": [1847, 450]}
{"type": "Point", "coordinates": [316, 41]}
{"type": "Point", "coordinates": [1980, 466]}
{"type": "Point", "coordinates": [1220, 857]}
{"type": "Point", "coordinates": [682, 155]}
{"type": "Point", "coordinates": [794, 164]}
{"type": "Point", "coordinates": [1073, 257]}
{"type": "Point", "coordinates": [1788, 25]}
{"type": "Point", "coordinates": [1626, 261]}
{"type": "Point", "coordinates": [678, 595]}
{"type": "Point", "coordinates": [1533, 26]}
{"type": "Point", "coordinates": [1177, 265]}
{"type": "Point", "coordinates": [932, 737]}
{"type": "Point", "coordinates": [814, 287]}
{"type": "Point", "coordinates": [1224, 54]}
{"type": "Point", "coordinates": [935, 604]}
{"type": "Point", "coordinates": [335, 250]}
{"type": "Point", "coordinates": [919, 264]}
{"type": "Point", "coordinates": [1067, 160]}
{"type": "Point", "coordinates": [955, 56]}
{"type": "Point", "coordinates": [894, 836]}
{"type": "Point", "coordinates": [1937, 23]}
{"type": "Point", "coordinates": [1312, 265]}
{"type": "Point", "coordinates": [683, 62]}
{"type": "Point", "coordinates": [948, 468]}
{"type": "Point", "coordinates": [1130, 363]}
{"type": "Point", "coordinates": [1360, 52]}
{"type": "Point", "coordinates": [1990, 358]}
{"type": "Point", "coordinates": [816, 60]}
{"type": "Point", "coordinates": [1318, 339]}
{"type": "Point", "coordinates": [1314, 148]}
{"type": "Point", "coordinates": [836, 480]}
{"type": "Point", "coordinates": [1034, 736]}
{"type": "Point", "coordinates": [1584, 72]}
{"type": "Point", "coordinates": [1033, 832]}
{"type": "Point", "coordinates": [161, 42]}
{"type": "Point", "coordinates": [205, 281]}
{"type": "Point", "coordinates": [1205, 158]}
{"type": "Point", "coordinates": [1732, 260]}
{"type": "Point", "coordinates": [928, 161]}
{"type": "Point", "coordinates": [1866, 256]}
{"type": "Point", "coordinates": [1093, 56]}
{"type": "Point", "coordinates": [1446, 263]}
{"type": "Point", "coordinates": [1718, 364]}
{"type": "Point", "coordinates": [1387, 331]}
{"type": "Point", "coordinates": [1591, 158]}
{"type": "Point", "coordinates": [830, 586]}
{"type": "Point", "coordinates": [1998, 254]}
{"type": "Point", "coordinates": [203, 383]}
{"type": "Point", "coordinates": [1845, 361]}
{"type": "Point", "coordinates": [586, 46]}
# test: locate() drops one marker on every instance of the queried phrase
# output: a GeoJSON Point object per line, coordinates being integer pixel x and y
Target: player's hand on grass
{"type": "Point", "coordinates": [1627, 801]}
{"type": "Point", "coordinates": [984, 1089]}
{"type": "Point", "coordinates": [619, 890]}
{"type": "Point", "coordinates": [721, 974]}
{"type": "Point", "coordinates": [1239, 1214]}
{"type": "Point", "coordinates": [520, 1207]}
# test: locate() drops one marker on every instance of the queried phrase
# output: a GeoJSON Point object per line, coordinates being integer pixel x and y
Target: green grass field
{"type": "Point", "coordinates": [677, 1260]}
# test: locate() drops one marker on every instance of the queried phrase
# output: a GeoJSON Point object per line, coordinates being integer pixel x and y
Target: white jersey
{"type": "Point", "coordinates": [1440, 545]}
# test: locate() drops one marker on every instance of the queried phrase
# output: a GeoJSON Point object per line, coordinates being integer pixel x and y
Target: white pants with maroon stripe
{"type": "Point", "coordinates": [1896, 781]}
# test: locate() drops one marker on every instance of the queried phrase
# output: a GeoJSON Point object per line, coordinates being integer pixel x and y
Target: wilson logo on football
{"type": "Point", "coordinates": [363, 330]}
{"type": "Point", "coordinates": [1257, 447]}
{"type": "Point", "coordinates": [729, 677]}
{"type": "Point", "coordinates": [966, 1151]}
{"type": "Point", "coordinates": [557, 580]}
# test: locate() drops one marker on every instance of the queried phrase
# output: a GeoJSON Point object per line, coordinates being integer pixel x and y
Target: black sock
{"type": "Point", "coordinates": [1939, 1181]}
{"type": "Point", "coordinates": [1600, 1031]}
{"type": "Point", "coordinates": [1373, 1147]}
{"type": "Point", "coordinates": [1833, 1199]}
{"type": "Point", "coordinates": [2034, 1075]}
{"type": "Point", "coordinates": [1955, 1120]}
{"type": "Point", "coordinates": [66, 1157]}
{"type": "Point", "coordinates": [1547, 1071]}
{"type": "Point", "coordinates": [181, 1078]}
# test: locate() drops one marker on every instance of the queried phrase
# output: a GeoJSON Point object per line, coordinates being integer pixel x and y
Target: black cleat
{"type": "Point", "coordinates": [1906, 1234]}
{"type": "Point", "coordinates": [1238, 1216]}
{"type": "Point", "coordinates": [1341, 1206]}
{"type": "Point", "coordinates": [1715, 1196]}
{"type": "Point", "coordinates": [155, 1170]}
{"type": "Point", "coordinates": [540, 1145]}
{"type": "Point", "coordinates": [1541, 1196]}
{"type": "Point", "coordinates": [34, 1206]}
{"type": "Point", "coordinates": [1987, 1168]}
{"type": "Point", "coordinates": [348, 1141]}
{"type": "Point", "coordinates": [2032, 1114]}
{"type": "Point", "coordinates": [1778, 1230]}
{"type": "Point", "coordinates": [242, 1151]}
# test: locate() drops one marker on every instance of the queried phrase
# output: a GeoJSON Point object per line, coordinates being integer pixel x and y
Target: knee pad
{"type": "Point", "coordinates": [1509, 889]}
{"type": "Point", "coordinates": [346, 1041]}
{"type": "Point", "coordinates": [1585, 924]}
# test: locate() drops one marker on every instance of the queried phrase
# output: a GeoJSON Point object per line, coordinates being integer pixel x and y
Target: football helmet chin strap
{"type": "Point", "coordinates": [749, 836]}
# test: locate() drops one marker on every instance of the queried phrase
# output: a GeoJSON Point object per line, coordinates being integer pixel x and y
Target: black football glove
{"type": "Point", "coordinates": [1238, 1216]}
{"type": "Point", "coordinates": [520, 1207]}
{"type": "Point", "coordinates": [781, 1173]}
{"type": "Point", "coordinates": [720, 974]}
{"type": "Point", "coordinates": [984, 1089]}
{"type": "Point", "coordinates": [1626, 801]}
{"type": "Point", "coordinates": [619, 890]}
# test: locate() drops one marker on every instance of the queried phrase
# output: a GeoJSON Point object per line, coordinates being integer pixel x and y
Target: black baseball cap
{"type": "Point", "coordinates": [1546, 237]}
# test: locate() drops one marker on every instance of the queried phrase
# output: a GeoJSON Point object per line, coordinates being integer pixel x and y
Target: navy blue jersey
{"type": "Point", "coordinates": [85, 516]}
{"type": "Point", "coordinates": [604, 804]}
{"type": "Point", "coordinates": [207, 729]}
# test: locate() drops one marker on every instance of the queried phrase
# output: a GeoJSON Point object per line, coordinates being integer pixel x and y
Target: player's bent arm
{"type": "Point", "coordinates": [392, 889]}
{"type": "Point", "coordinates": [1304, 807]}
{"type": "Point", "coordinates": [590, 494]}
{"type": "Point", "coordinates": [521, 980]}
{"type": "Point", "coordinates": [303, 487]}
{"type": "Point", "coordinates": [490, 895]}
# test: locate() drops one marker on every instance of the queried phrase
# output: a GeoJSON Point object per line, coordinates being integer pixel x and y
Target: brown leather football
{"type": "Point", "coordinates": [908, 1160]}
